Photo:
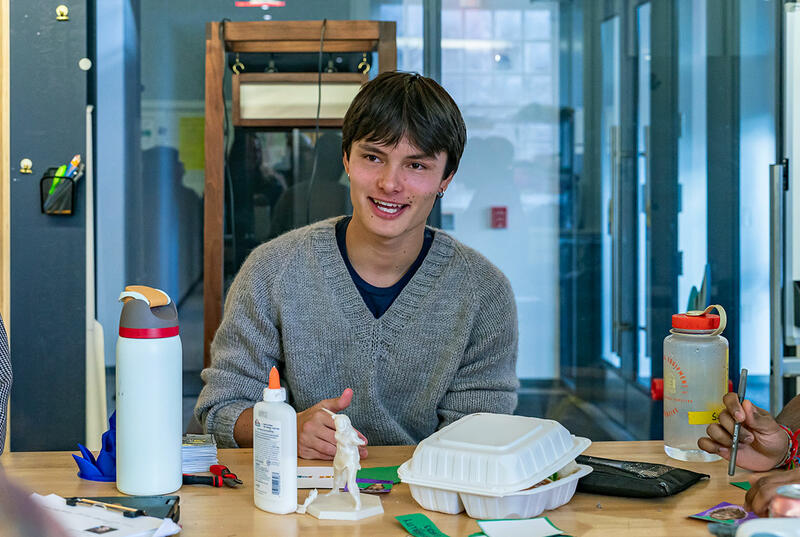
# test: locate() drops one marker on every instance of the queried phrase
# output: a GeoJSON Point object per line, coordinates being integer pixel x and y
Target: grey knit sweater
{"type": "Point", "coordinates": [446, 347]}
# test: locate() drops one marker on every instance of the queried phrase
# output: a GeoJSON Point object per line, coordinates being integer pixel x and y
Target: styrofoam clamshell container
{"type": "Point", "coordinates": [491, 454]}
{"type": "Point", "coordinates": [527, 503]}
{"type": "Point", "coordinates": [444, 501]}
{"type": "Point", "coordinates": [485, 462]}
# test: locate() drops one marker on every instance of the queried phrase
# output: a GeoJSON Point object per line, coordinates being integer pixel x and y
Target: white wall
{"type": "Point", "coordinates": [117, 23]}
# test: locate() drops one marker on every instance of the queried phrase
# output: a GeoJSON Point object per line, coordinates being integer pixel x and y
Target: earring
{"type": "Point", "coordinates": [440, 194]}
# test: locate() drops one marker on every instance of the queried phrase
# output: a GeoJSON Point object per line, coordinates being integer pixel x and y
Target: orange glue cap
{"type": "Point", "coordinates": [274, 379]}
{"type": "Point", "coordinates": [273, 392]}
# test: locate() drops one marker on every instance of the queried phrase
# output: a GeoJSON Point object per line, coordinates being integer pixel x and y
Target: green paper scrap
{"type": "Point", "coordinates": [744, 485]}
{"type": "Point", "coordinates": [381, 473]}
{"type": "Point", "coordinates": [419, 525]}
{"type": "Point", "coordinates": [478, 534]}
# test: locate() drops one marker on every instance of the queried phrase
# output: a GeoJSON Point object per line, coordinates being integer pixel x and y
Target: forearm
{"type": "Point", "coordinates": [243, 430]}
{"type": "Point", "coordinates": [456, 405]}
{"type": "Point", "coordinates": [790, 415]}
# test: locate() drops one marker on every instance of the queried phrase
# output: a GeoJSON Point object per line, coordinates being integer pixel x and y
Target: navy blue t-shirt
{"type": "Point", "coordinates": [378, 299]}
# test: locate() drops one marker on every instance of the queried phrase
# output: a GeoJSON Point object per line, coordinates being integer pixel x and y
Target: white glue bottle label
{"type": "Point", "coordinates": [275, 450]}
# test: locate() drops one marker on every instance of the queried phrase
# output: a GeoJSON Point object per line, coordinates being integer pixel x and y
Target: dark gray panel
{"type": "Point", "coordinates": [48, 99]}
{"type": "Point", "coordinates": [663, 178]}
{"type": "Point", "coordinates": [723, 164]}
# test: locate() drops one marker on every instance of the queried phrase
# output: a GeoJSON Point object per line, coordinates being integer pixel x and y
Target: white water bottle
{"type": "Point", "coordinates": [275, 450]}
{"type": "Point", "coordinates": [149, 394]}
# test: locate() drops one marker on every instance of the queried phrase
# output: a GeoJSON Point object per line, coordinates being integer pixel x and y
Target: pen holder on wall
{"type": "Point", "coordinates": [57, 192]}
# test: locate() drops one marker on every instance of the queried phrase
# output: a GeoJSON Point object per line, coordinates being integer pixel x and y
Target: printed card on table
{"type": "Point", "coordinates": [726, 513]}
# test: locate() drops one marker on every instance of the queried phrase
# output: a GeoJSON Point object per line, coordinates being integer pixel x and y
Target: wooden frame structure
{"type": "Point", "coordinates": [301, 78]}
{"type": "Point", "coordinates": [266, 37]}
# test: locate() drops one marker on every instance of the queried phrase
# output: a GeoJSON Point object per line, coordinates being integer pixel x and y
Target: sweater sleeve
{"type": "Point", "coordinates": [5, 382]}
{"type": "Point", "coordinates": [486, 380]}
{"type": "Point", "coordinates": [245, 347]}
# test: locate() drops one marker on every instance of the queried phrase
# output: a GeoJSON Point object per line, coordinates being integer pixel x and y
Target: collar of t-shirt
{"type": "Point", "coordinates": [379, 299]}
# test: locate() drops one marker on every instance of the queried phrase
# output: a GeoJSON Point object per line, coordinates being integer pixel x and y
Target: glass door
{"type": "Point", "coordinates": [610, 179]}
{"type": "Point", "coordinates": [615, 365]}
{"type": "Point", "coordinates": [643, 237]}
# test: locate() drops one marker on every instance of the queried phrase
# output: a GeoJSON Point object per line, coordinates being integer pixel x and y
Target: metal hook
{"type": "Point", "coordinates": [364, 66]}
{"type": "Point", "coordinates": [238, 66]}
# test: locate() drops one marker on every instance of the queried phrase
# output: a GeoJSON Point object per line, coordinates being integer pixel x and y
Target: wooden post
{"type": "Point", "coordinates": [214, 195]}
{"type": "Point", "coordinates": [387, 47]}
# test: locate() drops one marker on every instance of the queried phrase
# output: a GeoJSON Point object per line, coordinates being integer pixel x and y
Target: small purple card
{"type": "Point", "coordinates": [373, 486]}
{"type": "Point", "coordinates": [726, 513]}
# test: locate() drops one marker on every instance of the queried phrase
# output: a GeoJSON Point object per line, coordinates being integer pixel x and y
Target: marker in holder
{"type": "Point", "coordinates": [57, 192]}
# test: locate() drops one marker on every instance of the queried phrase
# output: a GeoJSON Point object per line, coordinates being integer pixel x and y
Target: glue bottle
{"type": "Point", "coordinates": [275, 450]}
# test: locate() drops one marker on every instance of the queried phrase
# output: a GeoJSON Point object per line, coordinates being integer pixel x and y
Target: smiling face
{"type": "Point", "coordinates": [393, 188]}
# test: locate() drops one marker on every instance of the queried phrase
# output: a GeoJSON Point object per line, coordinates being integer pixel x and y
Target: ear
{"type": "Point", "coordinates": [446, 181]}
{"type": "Point", "coordinates": [346, 163]}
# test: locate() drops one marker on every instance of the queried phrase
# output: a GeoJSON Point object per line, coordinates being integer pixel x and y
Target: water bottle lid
{"type": "Point", "coordinates": [143, 317]}
{"type": "Point", "coordinates": [708, 321]}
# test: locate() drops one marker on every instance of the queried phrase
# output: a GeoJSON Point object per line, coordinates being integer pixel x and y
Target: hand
{"type": "Point", "coordinates": [315, 429]}
{"type": "Point", "coordinates": [762, 443]}
{"type": "Point", "coordinates": [763, 487]}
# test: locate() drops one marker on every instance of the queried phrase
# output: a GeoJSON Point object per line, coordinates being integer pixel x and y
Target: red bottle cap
{"type": "Point", "coordinates": [708, 321]}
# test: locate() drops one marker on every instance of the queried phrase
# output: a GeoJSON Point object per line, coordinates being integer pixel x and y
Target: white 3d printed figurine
{"type": "Point", "coordinates": [346, 461]}
{"type": "Point", "coordinates": [334, 505]}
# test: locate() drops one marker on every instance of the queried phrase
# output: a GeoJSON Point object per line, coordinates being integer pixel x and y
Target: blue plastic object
{"type": "Point", "coordinates": [104, 467]}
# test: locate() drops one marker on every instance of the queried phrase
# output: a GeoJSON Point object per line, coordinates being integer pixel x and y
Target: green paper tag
{"type": "Point", "coordinates": [744, 485]}
{"type": "Point", "coordinates": [381, 473]}
{"type": "Point", "coordinates": [419, 525]}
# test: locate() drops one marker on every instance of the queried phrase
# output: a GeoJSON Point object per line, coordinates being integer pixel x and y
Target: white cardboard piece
{"type": "Point", "coordinates": [531, 527]}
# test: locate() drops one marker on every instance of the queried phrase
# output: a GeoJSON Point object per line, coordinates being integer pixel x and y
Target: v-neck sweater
{"type": "Point", "coordinates": [445, 348]}
{"type": "Point", "coordinates": [378, 299]}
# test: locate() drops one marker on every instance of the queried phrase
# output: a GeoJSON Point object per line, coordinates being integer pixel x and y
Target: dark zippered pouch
{"type": "Point", "coordinates": [634, 479]}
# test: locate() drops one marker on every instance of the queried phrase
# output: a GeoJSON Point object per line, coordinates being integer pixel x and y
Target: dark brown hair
{"type": "Point", "coordinates": [396, 105]}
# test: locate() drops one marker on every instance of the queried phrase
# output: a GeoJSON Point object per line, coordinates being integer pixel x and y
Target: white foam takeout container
{"type": "Point", "coordinates": [487, 463]}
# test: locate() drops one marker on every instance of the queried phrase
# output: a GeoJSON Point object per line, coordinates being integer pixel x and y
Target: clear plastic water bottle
{"type": "Point", "coordinates": [695, 380]}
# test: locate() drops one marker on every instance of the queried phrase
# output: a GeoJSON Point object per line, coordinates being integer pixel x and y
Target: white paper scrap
{"type": "Point", "coordinates": [89, 521]}
{"type": "Point", "coordinates": [315, 477]}
{"type": "Point", "coordinates": [530, 527]}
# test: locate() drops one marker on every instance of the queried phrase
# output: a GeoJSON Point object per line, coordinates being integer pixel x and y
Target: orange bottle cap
{"type": "Point", "coordinates": [274, 379]}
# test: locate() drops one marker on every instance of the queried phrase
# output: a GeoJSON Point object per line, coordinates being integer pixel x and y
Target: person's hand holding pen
{"type": "Point", "coordinates": [762, 443]}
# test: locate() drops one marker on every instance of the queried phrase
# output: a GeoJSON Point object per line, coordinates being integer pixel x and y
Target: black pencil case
{"type": "Point", "coordinates": [634, 479]}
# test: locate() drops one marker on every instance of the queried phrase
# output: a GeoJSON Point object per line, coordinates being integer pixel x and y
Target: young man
{"type": "Point", "coordinates": [398, 325]}
{"type": "Point", "coordinates": [766, 444]}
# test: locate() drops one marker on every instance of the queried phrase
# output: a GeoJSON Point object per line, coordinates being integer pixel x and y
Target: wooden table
{"type": "Point", "coordinates": [207, 511]}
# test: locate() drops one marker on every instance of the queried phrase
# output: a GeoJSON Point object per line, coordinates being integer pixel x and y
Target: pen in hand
{"type": "Point", "coordinates": [737, 426]}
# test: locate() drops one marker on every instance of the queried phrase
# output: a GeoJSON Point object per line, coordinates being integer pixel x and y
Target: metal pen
{"type": "Point", "coordinates": [735, 444]}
